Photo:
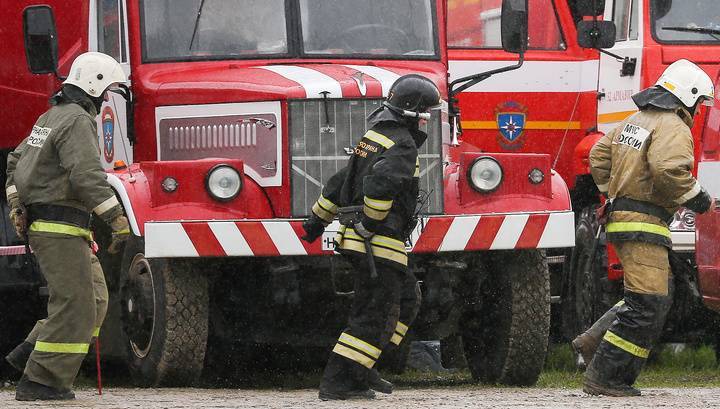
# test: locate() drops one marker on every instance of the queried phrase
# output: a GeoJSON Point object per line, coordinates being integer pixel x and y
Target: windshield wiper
{"type": "Point", "coordinates": [197, 22]}
{"type": "Point", "coordinates": [714, 32]}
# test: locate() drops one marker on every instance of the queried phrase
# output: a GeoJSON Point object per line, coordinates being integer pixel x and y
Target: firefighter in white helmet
{"type": "Point", "coordinates": [54, 182]}
{"type": "Point", "coordinates": [645, 168]}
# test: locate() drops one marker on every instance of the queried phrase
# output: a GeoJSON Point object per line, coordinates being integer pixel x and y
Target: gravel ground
{"type": "Point", "coordinates": [124, 398]}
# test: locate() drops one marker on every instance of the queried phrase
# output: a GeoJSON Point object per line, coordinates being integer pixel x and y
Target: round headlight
{"type": "Point", "coordinates": [485, 174]}
{"type": "Point", "coordinates": [223, 182]}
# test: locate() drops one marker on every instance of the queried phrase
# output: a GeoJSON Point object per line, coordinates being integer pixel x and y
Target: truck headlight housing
{"type": "Point", "coordinates": [223, 182]}
{"type": "Point", "coordinates": [485, 174]}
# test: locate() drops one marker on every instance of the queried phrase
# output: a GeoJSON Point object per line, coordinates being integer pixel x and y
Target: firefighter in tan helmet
{"type": "Point", "coordinates": [645, 168]}
{"type": "Point", "coordinates": [54, 183]}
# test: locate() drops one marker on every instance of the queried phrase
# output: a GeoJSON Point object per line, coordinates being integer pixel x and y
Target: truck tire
{"type": "Point", "coordinates": [586, 298]}
{"type": "Point", "coordinates": [505, 331]}
{"type": "Point", "coordinates": [164, 308]}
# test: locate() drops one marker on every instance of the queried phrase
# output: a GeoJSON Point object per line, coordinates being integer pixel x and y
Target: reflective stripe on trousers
{"type": "Point", "coordinates": [626, 345]}
{"type": "Point", "coordinates": [357, 350]}
{"type": "Point", "coordinates": [400, 331]}
{"type": "Point", "coordinates": [630, 227]}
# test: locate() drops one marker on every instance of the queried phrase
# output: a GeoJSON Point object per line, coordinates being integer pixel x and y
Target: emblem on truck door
{"type": "Point", "coordinates": [510, 119]}
{"type": "Point", "coordinates": [108, 131]}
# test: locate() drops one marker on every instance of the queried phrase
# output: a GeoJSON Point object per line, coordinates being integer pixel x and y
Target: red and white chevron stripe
{"type": "Point", "coordinates": [12, 250]}
{"type": "Point", "coordinates": [282, 237]}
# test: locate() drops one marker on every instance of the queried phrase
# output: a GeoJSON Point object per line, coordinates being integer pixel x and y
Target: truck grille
{"type": "Point", "coordinates": [319, 144]}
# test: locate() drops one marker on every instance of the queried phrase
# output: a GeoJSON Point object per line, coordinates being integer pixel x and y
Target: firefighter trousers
{"type": "Point", "coordinates": [101, 301]}
{"type": "Point", "coordinates": [62, 339]}
{"type": "Point", "coordinates": [640, 318]}
{"type": "Point", "coordinates": [374, 321]}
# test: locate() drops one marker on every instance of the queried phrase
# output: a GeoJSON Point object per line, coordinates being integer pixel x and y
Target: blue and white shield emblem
{"type": "Point", "coordinates": [511, 124]}
{"type": "Point", "coordinates": [108, 131]}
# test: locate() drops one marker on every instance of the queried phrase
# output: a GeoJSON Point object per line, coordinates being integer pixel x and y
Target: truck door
{"type": "Point", "coordinates": [707, 229]}
{"type": "Point", "coordinates": [616, 87]}
{"type": "Point", "coordinates": [108, 34]}
{"type": "Point", "coordinates": [547, 105]}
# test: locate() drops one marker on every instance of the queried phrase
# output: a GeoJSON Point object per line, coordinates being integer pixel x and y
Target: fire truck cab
{"type": "Point", "coordinates": [708, 224]}
{"type": "Point", "coordinates": [564, 98]}
{"type": "Point", "coordinates": [235, 116]}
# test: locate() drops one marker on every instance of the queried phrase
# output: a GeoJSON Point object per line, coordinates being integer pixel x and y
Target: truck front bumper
{"type": "Point", "coordinates": [281, 237]}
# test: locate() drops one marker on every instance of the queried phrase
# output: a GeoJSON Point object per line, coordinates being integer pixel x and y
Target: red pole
{"type": "Point", "coordinates": [97, 361]}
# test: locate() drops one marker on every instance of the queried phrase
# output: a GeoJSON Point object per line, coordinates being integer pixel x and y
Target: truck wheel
{"type": "Point", "coordinates": [584, 300]}
{"type": "Point", "coordinates": [165, 318]}
{"type": "Point", "coordinates": [505, 330]}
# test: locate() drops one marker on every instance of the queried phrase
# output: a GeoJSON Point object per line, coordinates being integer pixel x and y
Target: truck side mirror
{"type": "Point", "coordinates": [596, 34]}
{"type": "Point", "coordinates": [41, 46]}
{"type": "Point", "coordinates": [514, 26]}
{"type": "Point", "coordinates": [590, 7]}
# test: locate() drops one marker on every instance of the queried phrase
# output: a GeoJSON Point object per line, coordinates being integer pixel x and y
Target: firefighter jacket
{"type": "Point", "coordinates": [644, 165]}
{"type": "Point", "coordinates": [382, 177]}
{"type": "Point", "coordinates": [59, 164]}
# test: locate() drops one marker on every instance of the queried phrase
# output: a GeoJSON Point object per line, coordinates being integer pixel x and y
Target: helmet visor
{"type": "Point", "coordinates": [707, 101]}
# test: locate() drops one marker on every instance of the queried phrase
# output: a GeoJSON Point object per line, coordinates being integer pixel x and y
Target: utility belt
{"type": "Point", "coordinates": [639, 206]}
{"type": "Point", "coordinates": [393, 225]}
{"type": "Point", "coordinates": [618, 231]}
{"type": "Point", "coordinates": [350, 215]}
{"type": "Point", "coordinates": [58, 213]}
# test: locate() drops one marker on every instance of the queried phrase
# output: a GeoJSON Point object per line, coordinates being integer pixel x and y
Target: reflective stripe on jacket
{"type": "Point", "coordinates": [648, 158]}
{"type": "Point", "coordinates": [42, 226]}
{"type": "Point", "coordinates": [382, 177]}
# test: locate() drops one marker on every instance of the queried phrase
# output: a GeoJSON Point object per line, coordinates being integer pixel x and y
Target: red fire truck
{"type": "Point", "coordinates": [236, 114]}
{"type": "Point", "coordinates": [708, 225]}
{"type": "Point", "coordinates": [563, 99]}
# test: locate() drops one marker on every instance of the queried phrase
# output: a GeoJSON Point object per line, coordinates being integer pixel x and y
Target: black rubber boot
{"type": "Point", "coordinates": [587, 343]}
{"type": "Point", "coordinates": [343, 379]}
{"type": "Point", "coordinates": [28, 390]}
{"type": "Point", "coordinates": [377, 383]}
{"type": "Point", "coordinates": [18, 357]}
{"type": "Point", "coordinates": [594, 385]}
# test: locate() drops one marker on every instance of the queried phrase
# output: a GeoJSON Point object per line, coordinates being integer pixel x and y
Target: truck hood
{"type": "Point", "coordinates": [216, 82]}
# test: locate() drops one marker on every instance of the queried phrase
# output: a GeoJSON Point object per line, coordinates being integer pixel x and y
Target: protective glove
{"type": "Point", "coordinates": [18, 215]}
{"type": "Point", "coordinates": [120, 233]}
{"type": "Point", "coordinates": [363, 231]}
{"type": "Point", "coordinates": [314, 228]}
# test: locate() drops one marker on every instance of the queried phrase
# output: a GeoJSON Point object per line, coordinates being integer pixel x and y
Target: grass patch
{"type": "Point", "coordinates": [688, 367]}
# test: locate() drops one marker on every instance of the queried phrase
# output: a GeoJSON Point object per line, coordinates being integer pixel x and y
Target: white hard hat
{"type": "Point", "coordinates": [94, 72]}
{"type": "Point", "coordinates": [688, 82]}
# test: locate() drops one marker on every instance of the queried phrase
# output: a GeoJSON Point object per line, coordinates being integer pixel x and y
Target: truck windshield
{"type": "Point", "coordinates": [181, 30]}
{"type": "Point", "coordinates": [686, 21]}
{"type": "Point", "coordinates": [213, 29]}
{"type": "Point", "coordinates": [385, 28]}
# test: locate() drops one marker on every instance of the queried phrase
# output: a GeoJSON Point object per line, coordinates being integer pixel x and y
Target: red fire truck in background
{"type": "Point", "coordinates": [236, 114]}
{"type": "Point", "coordinates": [708, 225]}
{"type": "Point", "coordinates": [563, 99]}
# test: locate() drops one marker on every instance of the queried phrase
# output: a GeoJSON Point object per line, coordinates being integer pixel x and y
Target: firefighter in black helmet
{"type": "Point", "coordinates": [375, 197]}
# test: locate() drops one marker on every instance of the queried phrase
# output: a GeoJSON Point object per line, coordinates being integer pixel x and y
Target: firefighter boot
{"type": "Point", "coordinates": [19, 356]}
{"type": "Point", "coordinates": [587, 343]}
{"type": "Point", "coordinates": [343, 379]}
{"type": "Point", "coordinates": [377, 383]}
{"type": "Point", "coordinates": [612, 371]}
{"type": "Point", "coordinates": [28, 390]}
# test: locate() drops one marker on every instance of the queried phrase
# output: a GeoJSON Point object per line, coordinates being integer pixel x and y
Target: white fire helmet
{"type": "Point", "coordinates": [94, 72]}
{"type": "Point", "coordinates": [688, 82]}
